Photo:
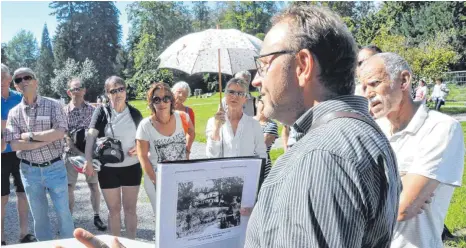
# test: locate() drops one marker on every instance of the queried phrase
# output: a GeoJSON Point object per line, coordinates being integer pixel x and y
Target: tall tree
{"type": "Point", "coordinates": [201, 16]}
{"type": "Point", "coordinates": [4, 58]}
{"type": "Point", "coordinates": [22, 50]}
{"type": "Point", "coordinates": [88, 30]}
{"type": "Point", "coordinates": [86, 71]}
{"type": "Point", "coordinates": [44, 68]}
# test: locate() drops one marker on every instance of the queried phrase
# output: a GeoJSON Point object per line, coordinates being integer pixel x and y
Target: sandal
{"type": "Point", "coordinates": [29, 238]}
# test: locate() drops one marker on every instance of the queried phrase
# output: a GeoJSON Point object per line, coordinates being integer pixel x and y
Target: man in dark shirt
{"type": "Point", "coordinates": [338, 186]}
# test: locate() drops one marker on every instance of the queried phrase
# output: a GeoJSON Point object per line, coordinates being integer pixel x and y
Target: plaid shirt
{"type": "Point", "coordinates": [78, 117]}
{"type": "Point", "coordinates": [43, 115]}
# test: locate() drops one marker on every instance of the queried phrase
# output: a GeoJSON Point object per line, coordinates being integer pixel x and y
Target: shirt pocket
{"type": "Point", "coordinates": [43, 123]}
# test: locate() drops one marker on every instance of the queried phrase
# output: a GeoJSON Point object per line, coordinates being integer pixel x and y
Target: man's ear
{"type": "Point", "coordinates": [304, 66]}
{"type": "Point", "coordinates": [405, 78]}
{"type": "Point", "coordinates": [68, 92]}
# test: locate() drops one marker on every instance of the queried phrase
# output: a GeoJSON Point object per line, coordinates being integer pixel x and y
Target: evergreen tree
{"type": "Point", "coordinates": [44, 68]}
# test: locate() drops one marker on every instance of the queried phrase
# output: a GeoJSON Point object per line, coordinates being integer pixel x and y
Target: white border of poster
{"type": "Point", "coordinates": [198, 201]}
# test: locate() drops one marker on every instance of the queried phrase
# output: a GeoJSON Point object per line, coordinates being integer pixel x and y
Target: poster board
{"type": "Point", "coordinates": [199, 201]}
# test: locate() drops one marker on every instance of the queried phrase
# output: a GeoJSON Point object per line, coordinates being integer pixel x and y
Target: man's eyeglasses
{"type": "Point", "coordinates": [236, 93]}
{"type": "Point", "coordinates": [118, 90]}
{"type": "Point", "coordinates": [76, 89]}
{"type": "Point", "coordinates": [158, 100]}
{"type": "Point", "coordinates": [25, 78]}
{"type": "Point", "coordinates": [263, 68]}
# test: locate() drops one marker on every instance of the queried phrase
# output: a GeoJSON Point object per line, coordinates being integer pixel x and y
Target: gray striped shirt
{"type": "Point", "coordinates": [338, 186]}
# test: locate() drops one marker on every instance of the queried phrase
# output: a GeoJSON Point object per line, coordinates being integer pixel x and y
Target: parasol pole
{"type": "Point", "coordinates": [219, 75]}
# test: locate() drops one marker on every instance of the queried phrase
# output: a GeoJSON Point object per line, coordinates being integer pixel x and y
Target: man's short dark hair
{"type": "Point", "coordinates": [324, 34]}
{"type": "Point", "coordinates": [374, 48]}
{"type": "Point", "coordinates": [439, 79]}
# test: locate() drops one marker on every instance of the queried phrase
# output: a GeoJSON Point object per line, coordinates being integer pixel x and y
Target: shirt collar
{"type": "Point", "coordinates": [417, 121]}
{"type": "Point", "coordinates": [340, 103]}
{"type": "Point", "coordinates": [35, 104]}
{"type": "Point", "coordinates": [71, 107]}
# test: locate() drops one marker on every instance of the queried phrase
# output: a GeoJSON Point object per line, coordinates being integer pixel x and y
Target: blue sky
{"type": "Point", "coordinates": [31, 16]}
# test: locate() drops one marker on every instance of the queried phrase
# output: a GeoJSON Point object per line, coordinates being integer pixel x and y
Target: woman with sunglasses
{"type": "Point", "coordinates": [119, 181]}
{"type": "Point", "coordinates": [166, 135]}
{"type": "Point", "coordinates": [270, 130]}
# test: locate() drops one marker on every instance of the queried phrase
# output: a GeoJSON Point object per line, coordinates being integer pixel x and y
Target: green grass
{"type": "Point", "coordinates": [457, 93]}
{"type": "Point", "coordinates": [456, 217]}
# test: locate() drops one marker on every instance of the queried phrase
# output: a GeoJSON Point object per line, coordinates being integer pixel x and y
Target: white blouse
{"type": "Point", "coordinates": [248, 141]}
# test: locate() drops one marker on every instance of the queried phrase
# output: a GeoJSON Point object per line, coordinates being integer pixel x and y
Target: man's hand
{"type": "Point", "coordinates": [245, 211]}
{"type": "Point", "coordinates": [88, 168]}
{"type": "Point", "coordinates": [90, 241]}
{"type": "Point", "coordinates": [3, 125]}
{"type": "Point", "coordinates": [25, 136]}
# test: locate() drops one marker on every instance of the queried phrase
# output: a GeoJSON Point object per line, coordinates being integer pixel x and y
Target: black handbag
{"type": "Point", "coordinates": [109, 149]}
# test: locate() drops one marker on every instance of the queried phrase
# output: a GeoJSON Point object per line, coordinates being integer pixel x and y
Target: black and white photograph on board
{"type": "Point", "coordinates": [208, 205]}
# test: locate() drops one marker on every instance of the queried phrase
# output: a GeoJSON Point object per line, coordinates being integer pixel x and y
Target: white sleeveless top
{"type": "Point", "coordinates": [161, 147]}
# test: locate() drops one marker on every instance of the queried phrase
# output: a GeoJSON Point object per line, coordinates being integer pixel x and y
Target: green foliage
{"type": "Point", "coordinates": [86, 71]}
{"type": "Point", "coordinates": [428, 60]}
{"type": "Point", "coordinates": [87, 30]}
{"type": "Point", "coordinates": [201, 16]}
{"type": "Point", "coordinates": [4, 58]}
{"type": "Point", "coordinates": [141, 81]}
{"type": "Point", "coordinates": [248, 16]}
{"type": "Point", "coordinates": [261, 36]}
{"type": "Point", "coordinates": [45, 65]}
{"type": "Point", "coordinates": [22, 51]}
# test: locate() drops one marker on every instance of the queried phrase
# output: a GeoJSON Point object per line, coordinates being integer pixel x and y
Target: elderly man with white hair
{"type": "Point", "coordinates": [181, 91]}
{"type": "Point", "coordinates": [428, 145]}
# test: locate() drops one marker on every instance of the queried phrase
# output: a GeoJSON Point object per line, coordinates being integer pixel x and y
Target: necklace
{"type": "Point", "coordinates": [158, 120]}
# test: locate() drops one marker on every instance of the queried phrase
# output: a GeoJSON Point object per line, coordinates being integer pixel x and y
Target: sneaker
{"type": "Point", "coordinates": [99, 224]}
{"type": "Point", "coordinates": [29, 238]}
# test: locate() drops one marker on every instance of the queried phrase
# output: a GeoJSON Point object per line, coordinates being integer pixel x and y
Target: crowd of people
{"type": "Point", "coordinates": [365, 165]}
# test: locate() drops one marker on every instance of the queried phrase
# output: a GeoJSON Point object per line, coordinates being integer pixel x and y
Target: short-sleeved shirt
{"type": "Point", "coordinates": [338, 185]}
{"type": "Point", "coordinates": [78, 117]}
{"type": "Point", "coordinates": [432, 146]}
{"type": "Point", "coordinates": [270, 127]}
{"type": "Point", "coordinates": [13, 99]}
{"type": "Point", "coordinates": [124, 129]}
{"type": "Point", "coordinates": [43, 115]}
{"type": "Point", "coordinates": [161, 147]}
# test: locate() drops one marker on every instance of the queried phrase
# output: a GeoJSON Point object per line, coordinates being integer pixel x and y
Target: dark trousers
{"type": "Point", "coordinates": [439, 103]}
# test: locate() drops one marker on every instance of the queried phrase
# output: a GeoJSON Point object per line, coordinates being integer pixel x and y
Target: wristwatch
{"type": "Point", "coordinates": [31, 137]}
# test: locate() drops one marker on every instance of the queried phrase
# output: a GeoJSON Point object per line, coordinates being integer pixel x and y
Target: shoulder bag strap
{"type": "Point", "coordinates": [344, 114]}
{"type": "Point", "coordinates": [109, 120]}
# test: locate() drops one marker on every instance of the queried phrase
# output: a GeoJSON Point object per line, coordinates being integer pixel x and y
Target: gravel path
{"type": "Point", "coordinates": [83, 214]}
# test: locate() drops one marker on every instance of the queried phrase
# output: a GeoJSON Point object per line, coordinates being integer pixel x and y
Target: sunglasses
{"type": "Point", "coordinates": [76, 89]}
{"type": "Point", "coordinates": [118, 90]}
{"type": "Point", "coordinates": [25, 78]}
{"type": "Point", "coordinates": [236, 93]}
{"type": "Point", "coordinates": [165, 99]}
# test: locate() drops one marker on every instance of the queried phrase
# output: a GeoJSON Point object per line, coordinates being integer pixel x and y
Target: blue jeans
{"type": "Point", "coordinates": [37, 181]}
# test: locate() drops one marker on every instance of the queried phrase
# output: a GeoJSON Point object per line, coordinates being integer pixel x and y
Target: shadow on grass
{"type": "Point", "coordinates": [458, 241]}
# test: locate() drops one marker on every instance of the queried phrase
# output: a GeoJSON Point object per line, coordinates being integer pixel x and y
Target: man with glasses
{"type": "Point", "coordinates": [10, 164]}
{"type": "Point", "coordinates": [35, 129]}
{"type": "Point", "coordinates": [338, 186]}
{"type": "Point", "coordinates": [79, 115]}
